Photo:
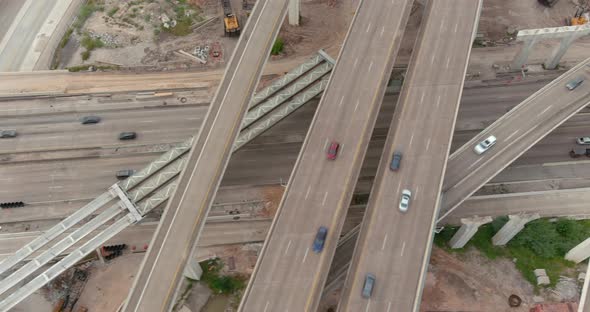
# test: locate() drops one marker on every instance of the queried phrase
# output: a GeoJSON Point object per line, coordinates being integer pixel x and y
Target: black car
{"type": "Point", "coordinates": [127, 135]}
{"type": "Point", "coordinates": [548, 3]}
{"type": "Point", "coordinates": [87, 120]}
{"type": "Point", "coordinates": [124, 174]}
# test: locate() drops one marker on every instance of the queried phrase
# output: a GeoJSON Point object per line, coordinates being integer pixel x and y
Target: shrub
{"type": "Point", "coordinates": [220, 284]}
{"type": "Point", "coordinates": [277, 47]}
{"type": "Point", "coordinates": [66, 38]}
{"type": "Point", "coordinates": [85, 55]}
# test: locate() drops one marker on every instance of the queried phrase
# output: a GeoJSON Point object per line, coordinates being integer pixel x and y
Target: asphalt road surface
{"type": "Point", "coordinates": [516, 132]}
{"type": "Point", "coordinates": [161, 271]}
{"type": "Point", "coordinates": [289, 276]}
{"type": "Point", "coordinates": [18, 39]}
{"type": "Point", "coordinates": [8, 11]}
{"type": "Point", "coordinates": [393, 245]}
{"type": "Point", "coordinates": [49, 181]}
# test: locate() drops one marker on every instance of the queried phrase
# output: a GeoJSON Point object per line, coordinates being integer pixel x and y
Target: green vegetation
{"type": "Point", "coordinates": [113, 11]}
{"type": "Point", "coordinates": [278, 46]}
{"type": "Point", "coordinates": [220, 284]}
{"type": "Point", "coordinates": [85, 12]}
{"type": "Point", "coordinates": [66, 38]}
{"type": "Point", "coordinates": [74, 69]}
{"type": "Point", "coordinates": [541, 245]}
{"type": "Point", "coordinates": [90, 44]}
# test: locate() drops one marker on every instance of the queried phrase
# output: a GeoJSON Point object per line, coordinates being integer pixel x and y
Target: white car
{"type": "Point", "coordinates": [583, 140]}
{"type": "Point", "coordinates": [484, 145]}
{"type": "Point", "coordinates": [404, 202]}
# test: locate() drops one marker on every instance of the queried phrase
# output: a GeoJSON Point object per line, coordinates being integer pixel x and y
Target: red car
{"type": "Point", "coordinates": [333, 150]}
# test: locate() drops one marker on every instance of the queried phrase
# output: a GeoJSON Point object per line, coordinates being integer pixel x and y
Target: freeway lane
{"type": "Point", "coordinates": [161, 271]}
{"type": "Point", "coordinates": [395, 246]}
{"type": "Point", "coordinates": [17, 42]}
{"type": "Point", "coordinates": [288, 275]}
{"type": "Point", "coordinates": [516, 132]}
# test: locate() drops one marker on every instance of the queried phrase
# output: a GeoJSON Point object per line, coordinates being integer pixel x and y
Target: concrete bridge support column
{"type": "Point", "coordinates": [559, 52]}
{"type": "Point", "coordinates": [193, 269]}
{"type": "Point", "coordinates": [523, 55]}
{"type": "Point", "coordinates": [512, 227]}
{"type": "Point", "coordinates": [468, 229]}
{"type": "Point", "coordinates": [580, 252]}
{"type": "Point", "coordinates": [294, 12]}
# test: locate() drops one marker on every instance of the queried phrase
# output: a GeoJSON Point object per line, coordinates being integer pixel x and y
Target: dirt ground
{"type": "Point", "coordinates": [471, 282]}
{"type": "Point", "coordinates": [108, 284]}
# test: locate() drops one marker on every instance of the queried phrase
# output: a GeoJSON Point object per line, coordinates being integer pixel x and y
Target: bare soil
{"type": "Point", "coordinates": [471, 282]}
{"type": "Point", "coordinates": [108, 284]}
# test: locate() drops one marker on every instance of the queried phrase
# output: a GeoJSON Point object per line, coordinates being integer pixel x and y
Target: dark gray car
{"type": "Point", "coordinates": [395, 161]}
{"type": "Point", "coordinates": [124, 174]}
{"type": "Point", "coordinates": [127, 135]}
{"type": "Point", "coordinates": [7, 134]}
{"type": "Point", "coordinates": [368, 287]}
{"type": "Point", "coordinates": [87, 120]}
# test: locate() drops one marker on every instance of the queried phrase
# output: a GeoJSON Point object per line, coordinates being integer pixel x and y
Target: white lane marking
{"type": "Point", "coordinates": [146, 121]}
{"type": "Point", "coordinates": [357, 105]}
{"type": "Point", "coordinates": [356, 61]}
{"type": "Point", "coordinates": [389, 306]}
{"type": "Point", "coordinates": [428, 144]}
{"type": "Point", "coordinates": [422, 98]}
{"type": "Point", "coordinates": [403, 248]}
{"type": "Point", "coordinates": [384, 241]}
{"type": "Point", "coordinates": [266, 306]}
{"type": "Point", "coordinates": [416, 193]}
{"type": "Point", "coordinates": [369, 27]}
{"type": "Point", "coordinates": [325, 197]}
{"type": "Point", "coordinates": [305, 256]}
{"type": "Point", "coordinates": [307, 193]}
{"type": "Point", "coordinates": [448, 61]}
{"type": "Point", "coordinates": [326, 144]}
{"type": "Point", "coordinates": [437, 101]}
{"type": "Point", "coordinates": [341, 101]}
{"type": "Point", "coordinates": [432, 59]}
{"type": "Point", "coordinates": [194, 118]}
{"type": "Point", "coordinates": [411, 139]}
{"type": "Point", "coordinates": [546, 109]}
{"type": "Point", "coordinates": [368, 305]}
{"type": "Point", "coordinates": [287, 249]}
{"type": "Point", "coordinates": [371, 66]}
{"type": "Point", "coordinates": [398, 187]}
{"type": "Point", "coordinates": [456, 26]}
{"type": "Point", "coordinates": [56, 187]}
{"type": "Point", "coordinates": [511, 135]}
{"type": "Point", "coordinates": [382, 31]}
{"type": "Point", "coordinates": [474, 163]}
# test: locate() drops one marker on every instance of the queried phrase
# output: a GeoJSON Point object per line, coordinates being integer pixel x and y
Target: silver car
{"type": "Point", "coordinates": [583, 140]}
{"type": "Point", "coordinates": [404, 202]}
{"type": "Point", "coordinates": [484, 145]}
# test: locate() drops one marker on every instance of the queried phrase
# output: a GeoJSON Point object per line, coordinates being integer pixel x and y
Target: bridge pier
{"type": "Point", "coordinates": [579, 253]}
{"type": "Point", "coordinates": [512, 227]}
{"type": "Point", "coordinates": [294, 12]}
{"type": "Point", "coordinates": [468, 228]}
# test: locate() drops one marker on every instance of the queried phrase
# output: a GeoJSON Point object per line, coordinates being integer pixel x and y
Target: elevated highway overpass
{"type": "Point", "coordinates": [289, 276]}
{"type": "Point", "coordinates": [181, 224]}
{"type": "Point", "coordinates": [516, 132]}
{"type": "Point", "coordinates": [394, 246]}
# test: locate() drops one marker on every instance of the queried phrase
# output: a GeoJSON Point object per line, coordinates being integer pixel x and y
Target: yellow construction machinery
{"type": "Point", "coordinates": [230, 20]}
